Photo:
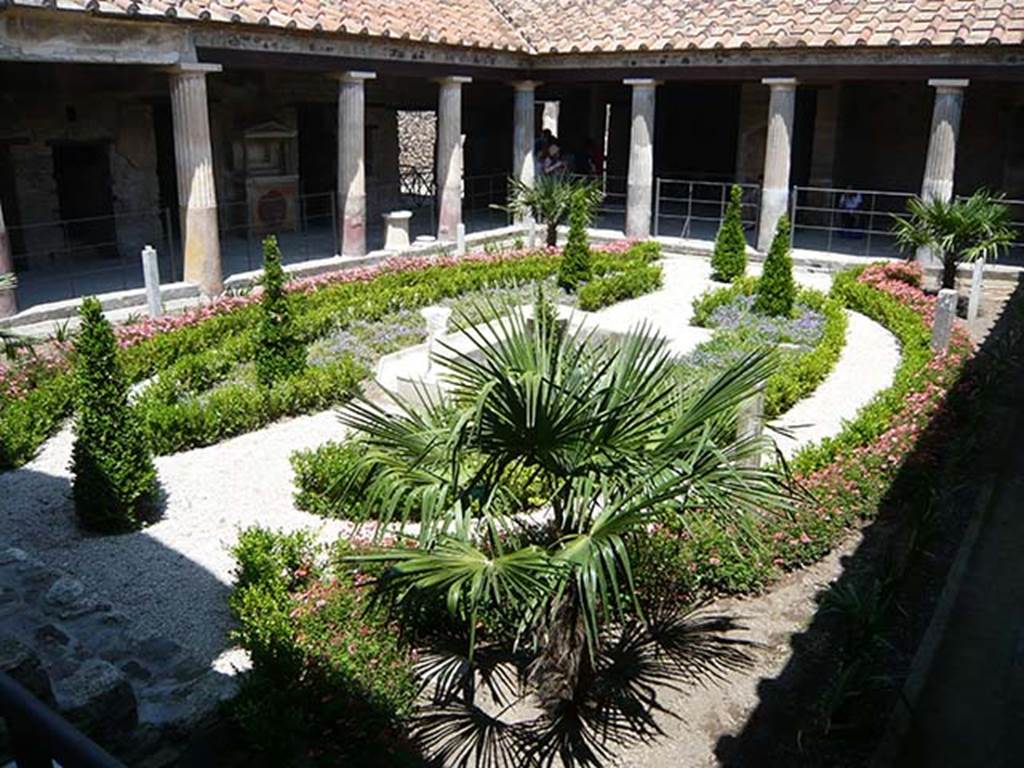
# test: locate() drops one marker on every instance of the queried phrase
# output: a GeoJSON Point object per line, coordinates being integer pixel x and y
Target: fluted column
{"type": "Point", "coordinates": [352, 161]}
{"type": "Point", "coordinates": [940, 164]}
{"type": "Point", "coordinates": [640, 181]}
{"type": "Point", "coordinates": [777, 153]}
{"type": "Point", "coordinates": [8, 299]}
{"type": "Point", "coordinates": [523, 119]}
{"type": "Point", "coordinates": [449, 157]}
{"type": "Point", "coordinates": [197, 193]}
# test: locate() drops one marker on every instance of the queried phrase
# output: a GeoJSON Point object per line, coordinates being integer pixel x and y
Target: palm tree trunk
{"type": "Point", "coordinates": [552, 236]}
{"type": "Point", "coordinates": [565, 661]}
{"type": "Point", "coordinates": [949, 265]}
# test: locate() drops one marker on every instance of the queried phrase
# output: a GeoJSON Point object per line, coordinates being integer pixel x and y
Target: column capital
{"type": "Point", "coordinates": [641, 82]}
{"type": "Point", "coordinates": [353, 76]}
{"type": "Point", "coordinates": [193, 68]}
{"type": "Point", "coordinates": [526, 85]}
{"type": "Point", "coordinates": [453, 80]}
{"type": "Point", "coordinates": [779, 82]}
{"type": "Point", "coordinates": [943, 84]}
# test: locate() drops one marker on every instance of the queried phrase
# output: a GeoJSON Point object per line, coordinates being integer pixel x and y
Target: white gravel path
{"type": "Point", "coordinates": [173, 577]}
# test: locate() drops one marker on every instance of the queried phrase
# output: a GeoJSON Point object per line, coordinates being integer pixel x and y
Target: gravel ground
{"type": "Point", "coordinates": [174, 576]}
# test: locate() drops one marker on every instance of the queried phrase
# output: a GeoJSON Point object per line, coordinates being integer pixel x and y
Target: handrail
{"type": "Point", "coordinates": [39, 735]}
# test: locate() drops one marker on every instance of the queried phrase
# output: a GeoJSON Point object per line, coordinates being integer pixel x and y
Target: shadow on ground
{"type": "Point", "coordinates": [830, 704]}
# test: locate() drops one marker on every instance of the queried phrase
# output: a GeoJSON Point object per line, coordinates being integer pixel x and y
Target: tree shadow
{"type": "Point", "coordinates": [830, 704]}
{"type": "Point", "coordinates": [482, 714]}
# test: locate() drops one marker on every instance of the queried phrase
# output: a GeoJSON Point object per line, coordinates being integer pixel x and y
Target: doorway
{"type": "Point", "coordinates": [82, 173]}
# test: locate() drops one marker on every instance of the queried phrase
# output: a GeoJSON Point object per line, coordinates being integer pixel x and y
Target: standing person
{"type": "Point", "coordinates": [554, 163]}
{"type": "Point", "coordinates": [545, 140]}
{"type": "Point", "coordinates": [850, 203]}
{"type": "Point", "coordinates": [595, 158]}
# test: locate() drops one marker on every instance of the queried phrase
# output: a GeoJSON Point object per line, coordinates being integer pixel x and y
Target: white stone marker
{"type": "Point", "coordinates": [750, 421]}
{"type": "Point", "coordinates": [396, 237]}
{"type": "Point", "coordinates": [531, 233]}
{"type": "Point", "coordinates": [945, 313]}
{"type": "Point", "coordinates": [977, 286]}
{"type": "Point", "coordinates": [460, 239]}
{"type": "Point", "coordinates": [151, 279]}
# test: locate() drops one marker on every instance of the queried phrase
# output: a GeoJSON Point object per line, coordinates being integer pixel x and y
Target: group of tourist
{"type": "Point", "coordinates": [552, 161]}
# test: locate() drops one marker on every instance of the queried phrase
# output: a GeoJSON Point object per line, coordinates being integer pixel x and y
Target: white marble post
{"type": "Point", "coordinates": [151, 281]}
{"type": "Point", "coordinates": [449, 157]}
{"type": "Point", "coordinates": [523, 117]}
{"type": "Point", "coordinates": [352, 161]}
{"type": "Point", "coordinates": [977, 290]}
{"type": "Point", "coordinates": [640, 182]}
{"type": "Point", "coordinates": [777, 154]}
{"type": "Point", "coordinates": [940, 164]}
{"type": "Point", "coordinates": [197, 192]}
{"type": "Point", "coordinates": [8, 297]}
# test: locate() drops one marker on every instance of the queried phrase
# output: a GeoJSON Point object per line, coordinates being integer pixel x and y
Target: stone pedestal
{"type": "Point", "coordinates": [396, 225]}
{"type": "Point", "coordinates": [8, 297]}
{"type": "Point", "coordinates": [945, 314]}
{"type": "Point", "coordinates": [750, 421]}
{"type": "Point", "coordinates": [523, 112]}
{"type": "Point", "coordinates": [640, 182]}
{"type": "Point", "coordinates": [151, 281]}
{"type": "Point", "coordinates": [449, 157]}
{"type": "Point", "coordinates": [197, 193]}
{"type": "Point", "coordinates": [940, 164]}
{"type": "Point", "coordinates": [352, 161]}
{"type": "Point", "coordinates": [977, 290]}
{"type": "Point", "coordinates": [777, 153]}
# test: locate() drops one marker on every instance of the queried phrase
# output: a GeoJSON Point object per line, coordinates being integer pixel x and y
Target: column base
{"type": "Point", "coordinates": [202, 251]}
{"type": "Point", "coordinates": [638, 211]}
{"type": "Point", "coordinates": [774, 205]}
{"type": "Point", "coordinates": [8, 303]}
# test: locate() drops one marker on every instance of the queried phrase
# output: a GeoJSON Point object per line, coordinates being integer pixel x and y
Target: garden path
{"type": "Point", "coordinates": [172, 578]}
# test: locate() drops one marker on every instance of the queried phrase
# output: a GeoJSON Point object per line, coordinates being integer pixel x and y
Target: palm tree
{"type": "Point", "coordinates": [604, 433]}
{"type": "Point", "coordinates": [549, 200]}
{"type": "Point", "coordinates": [977, 227]}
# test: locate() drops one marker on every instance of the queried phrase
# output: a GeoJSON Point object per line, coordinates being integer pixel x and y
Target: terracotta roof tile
{"type": "Point", "coordinates": [562, 26]}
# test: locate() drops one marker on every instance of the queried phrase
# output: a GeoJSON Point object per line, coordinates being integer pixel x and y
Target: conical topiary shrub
{"type": "Point", "coordinates": [730, 258]}
{"type": "Point", "coordinates": [776, 291]}
{"type": "Point", "coordinates": [280, 353]}
{"type": "Point", "coordinates": [575, 266]}
{"type": "Point", "coordinates": [111, 464]}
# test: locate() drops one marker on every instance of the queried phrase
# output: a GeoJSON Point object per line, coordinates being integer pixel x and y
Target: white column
{"type": "Point", "coordinates": [523, 121]}
{"type": "Point", "coordinates": [449, 157]}
{"type": "Point", "coordinates": [8, 298]}
{"type": "Point", "coordinates": [197, 193]}
{"type": "Point", "coordinates": [777, 153]}
{"type": "Point", "coordinates": [352, 161]}
{"type": "Point", "coordinates": [940, 164]}
{"type": "Point", "coordinates": [640, 182]}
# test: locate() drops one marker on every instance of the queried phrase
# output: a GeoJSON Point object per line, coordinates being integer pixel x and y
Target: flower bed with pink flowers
{"type": "Point", "coordinates": [847, 479]}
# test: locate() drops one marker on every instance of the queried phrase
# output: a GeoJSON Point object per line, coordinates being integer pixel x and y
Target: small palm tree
{"type": "Point", "coordinates": [608, 438]}
{"type": "Point", "coordinates": [963, 230]}
{"type": "Point", "coordinates": [550, 199]}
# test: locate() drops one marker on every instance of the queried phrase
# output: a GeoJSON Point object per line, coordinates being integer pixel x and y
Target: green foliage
{"type": "Point", "coordinates": [280, 352]}
{"type": "Point", "coordinates": [26, 422]}
{"type": "Point", "coordinates": [729, 260]}
{"type": "Point", "coordinates": [113, 473]}
{"type": "Point", "coordinates": [636, 280]}
{"type": "Point", "coordinates": [550, 199]}
{"type": "Point", "coordinates": [978, 227]}
{"type": "Point", "coordinates": [329, 481]}
{"type": "Point", "coordinates": [705, 304]}
{"type": "Point", "coordinates": [776, 290]}
{"type": "Point", "coordinates": [329, 670]}
{"type": "Point", "coordinates": [575, 265]}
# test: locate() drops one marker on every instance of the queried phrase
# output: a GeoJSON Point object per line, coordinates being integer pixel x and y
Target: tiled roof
{"type": "Point", "coordinates": [563, 26]}
{"type": "Point", "coordinates": [559, 26]}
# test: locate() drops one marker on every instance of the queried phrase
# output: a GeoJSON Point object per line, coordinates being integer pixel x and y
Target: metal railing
{"type": "Point", "coordinates": [415, 182]}
{"type": "Point", "coordinates": [856, 222]}
{"type": "Point", "coordinates": [39, 736]}
{"type": "Point", "coordinates": [694, 209]}
{"type": "Point", "coordinates": [69, 258]}
{"type": "Point", "coordinates": [306, 229]}
{"type": "Point", "coordinates": [611, 211]}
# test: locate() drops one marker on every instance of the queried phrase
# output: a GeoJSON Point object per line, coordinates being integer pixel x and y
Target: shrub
{"type": "Point", "coordinates": [705, 305]}
{"type": "Point", "coordinates": [279, 351]}
{"type": "Point", "coordinates": [776, 290]}
{"type": "Point", "coordinates": [575, 265]}
{"type": "Point", "coordinates": [329, 670]}
{"type": "Point", "coordinates": [636, 280]}
{"type": "Point", "coordinates": [729, 260]}
{"type": "Point", "coordinates": [327, 481]}
{"type": "Point", "coordinates": [111, 464]}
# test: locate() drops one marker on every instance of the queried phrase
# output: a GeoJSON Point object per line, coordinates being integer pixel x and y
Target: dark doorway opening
{"type": "Point", "coordinates": [9, 203]}
{"type": "Point", "coordinates": [82, 172]}
{"type": "Point", "coordinates": [318, 156]}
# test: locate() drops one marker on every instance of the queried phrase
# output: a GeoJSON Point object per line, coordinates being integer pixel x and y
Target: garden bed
{"type": "Point", "coordinates": [842, 481]}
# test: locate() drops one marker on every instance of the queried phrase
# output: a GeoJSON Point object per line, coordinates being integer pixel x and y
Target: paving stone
{"type": "Point", "coordinates": [98, 699]}
{"type": "Point", "coordinates": [50, 634]}
{"type": "Point", "coordinates": [24, 665]}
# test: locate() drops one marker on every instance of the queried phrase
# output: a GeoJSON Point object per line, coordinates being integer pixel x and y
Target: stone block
{"type": "Point", "coordinates": [25, 667]}
{"type": "Point", "coordinates": [99, 700]}
{"type": "Point", "coordinates": [945, 314]}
